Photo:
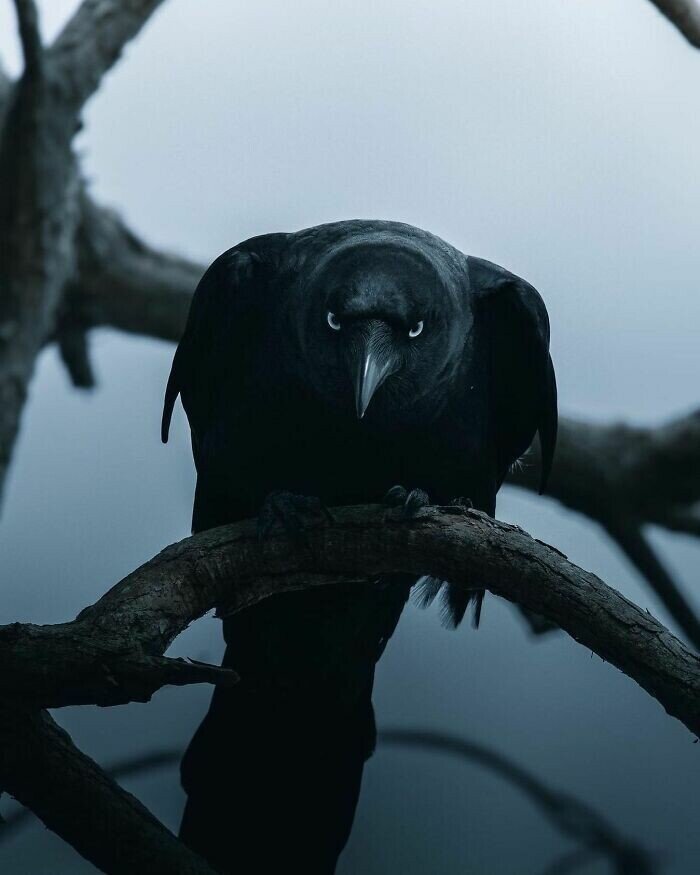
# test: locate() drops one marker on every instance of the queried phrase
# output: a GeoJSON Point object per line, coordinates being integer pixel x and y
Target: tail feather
{"type": "Point", "coordinates": [454, 600]}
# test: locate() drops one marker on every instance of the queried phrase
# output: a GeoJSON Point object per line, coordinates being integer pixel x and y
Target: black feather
{"type": "Point", "coordinates": [268, 387]}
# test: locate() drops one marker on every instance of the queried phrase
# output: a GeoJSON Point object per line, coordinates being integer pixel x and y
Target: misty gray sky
{"type": "Point", "coordinates": [557, 139]}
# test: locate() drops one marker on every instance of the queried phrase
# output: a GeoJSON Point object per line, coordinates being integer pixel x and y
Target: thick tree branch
{"type": "Point", "coordinates": [685, 15]}
{"type": "Point", "coordinates": [139, 617]}
{"type": "Point", "coordinates": [92, 41]}
{"type": "Point", "coordinates": [569, 815]}
{"type": "Point", "coordinates": [123, 768]}
{"type": "Point", "coordinates": [42, 768]}
{"type": "Point", "coordinates": [39, 180]}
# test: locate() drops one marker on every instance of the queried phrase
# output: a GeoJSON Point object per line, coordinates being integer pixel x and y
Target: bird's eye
{"type": "Point", "coordinates": [416, 330]}
{"type": "Point", "coordinates": [333, 321]}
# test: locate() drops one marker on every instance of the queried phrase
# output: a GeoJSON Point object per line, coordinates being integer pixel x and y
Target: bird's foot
{"type": "Point", "coordinates": [459, 505]}
{"type": "Point", "coordinates": [295, 513]}
{"type": "Point", "coordinates": [407, 502]}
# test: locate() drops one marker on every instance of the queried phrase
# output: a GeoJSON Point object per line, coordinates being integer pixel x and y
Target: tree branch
{"type": "Point", "coordinates": [40, 186]}
{"type": "Point", "coordinates": [30, 38]}
{"type": "Point", "coordinates": [625, 477]}
{"type": "Point", "coordinates": [138, 618]}
{"type": "Point", "coordinates": [42, 768]}
{"type": "Point", "coordinates": [124, 768]}
{"type": "Point", "coordinates": [126, 284]}
{"type": "Point", "coordinates": [92, 41]}
{"type": "Point", "coordinates": [641, 554]}
{"type": "Point", "coordinates": [569, 815]}
{"type": "Point", "coordinates": [685, 15]}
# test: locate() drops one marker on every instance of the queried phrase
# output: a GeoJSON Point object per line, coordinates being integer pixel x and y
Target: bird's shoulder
{"type": "Point", "coordinates": [492, 284]}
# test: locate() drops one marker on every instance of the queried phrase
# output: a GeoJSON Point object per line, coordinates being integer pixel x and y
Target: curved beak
{"type": "Point", "coordinates": [372, 358]}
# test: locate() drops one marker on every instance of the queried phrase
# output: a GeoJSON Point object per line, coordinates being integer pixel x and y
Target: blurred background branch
{"type": "Point", "coordinates": [571, 817]}
{"type": "Point", "coordinates": [685, 15]}
{"type": "Point", "coordinates": [68, 265]}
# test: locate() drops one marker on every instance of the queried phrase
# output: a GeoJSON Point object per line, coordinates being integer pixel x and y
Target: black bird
{"type": "Point", "coordinates": [318, 368]}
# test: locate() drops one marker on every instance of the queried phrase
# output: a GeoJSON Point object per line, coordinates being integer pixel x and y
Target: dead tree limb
{"type": "Point", "coordinates": [105, 656]}
{"type": "Point", "coordinates": [625, 478]}
{"type": "Point", "coordinates": [40, 182]}
{"type": "Point", "coordinates": [124, 768]}
{"type": "Point", "coordinates": [92, 41]}
{"type": "Point", "coordinates": [124, 283]}
{"type": "Point", "coordinates": [572, 817]}
{"type": "Point", "coordinates": [41, 767]}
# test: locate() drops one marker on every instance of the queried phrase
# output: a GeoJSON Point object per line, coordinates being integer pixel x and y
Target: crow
{"type": "Point", "coordinates": [336, 365]}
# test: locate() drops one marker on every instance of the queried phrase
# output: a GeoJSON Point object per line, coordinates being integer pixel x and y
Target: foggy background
{"type": "Point", "coordinates": [557, 139]}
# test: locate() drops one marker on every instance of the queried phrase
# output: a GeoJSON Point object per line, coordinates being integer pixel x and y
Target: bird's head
{"type": "Point", "coordinates": [380, 329]}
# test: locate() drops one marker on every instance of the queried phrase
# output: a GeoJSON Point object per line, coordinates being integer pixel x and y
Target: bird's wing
{"type": "Point", "coordinates": [220, 329]}
{"type": "Point", "coordinates": [525, 393]}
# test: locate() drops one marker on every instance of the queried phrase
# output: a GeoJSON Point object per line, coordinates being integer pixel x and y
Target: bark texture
{"type": "Point", "coordinates": [104, 655]}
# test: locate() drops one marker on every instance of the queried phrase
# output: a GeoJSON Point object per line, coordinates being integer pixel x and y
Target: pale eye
{"type": "Point", "coordinates": [416, 330]}
{"type": "Point", "coordinates": [333, 321]}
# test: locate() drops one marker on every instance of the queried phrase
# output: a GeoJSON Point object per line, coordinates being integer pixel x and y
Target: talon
{"type": "Point", "coordinates": [415, 500]}
{"type": "Point", "coordinates": [459, 505]}
{"type": "Point", "coordinates": [462, 501]}
{"type": "Point", "coordinates": [395, 497]}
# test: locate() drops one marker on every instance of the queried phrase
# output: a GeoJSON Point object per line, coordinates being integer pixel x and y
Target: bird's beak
{"type": "Point", "coordinates": [373, 360]}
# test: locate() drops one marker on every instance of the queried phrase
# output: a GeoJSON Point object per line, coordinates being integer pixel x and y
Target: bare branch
{"type": "Point", "coordinates": [124, 283]}
{"type": "Point", "coordinates": [569, 815]}
{"type": "Point", "coordinates": [39, 180]}
{"type": "Point", "coordinates": [139, 617]}
{"type": "Point", "coordinates": [29, 34]}
{"type": "Point", "coordinates": [685, 15]}
{"type": "Point", "coordinates": [624, 477]}
{"type": "Point", "coordinates": [640, 553]}
{"type": "Point", "coordinates": [42, 768]}
{"type": "Point", "coordinates": [92, 41]}
{"type": "Point", "coordinates": [124, 768]}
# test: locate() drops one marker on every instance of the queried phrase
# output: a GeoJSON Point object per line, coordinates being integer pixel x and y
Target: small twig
{"type": "Point", "coordinates": [73, 346]}
{"type": "Point", "coordinates": [569, 815]}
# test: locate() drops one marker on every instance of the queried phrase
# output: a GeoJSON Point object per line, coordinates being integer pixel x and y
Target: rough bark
{"type": "Point", "coordinates": [625, 478]}
{"type": "Point", "coordinates": [228, 568]}
{"type": "Point", "coordinates": [40, 184]}
{"type": "Point", "coordinates": [72, 795]}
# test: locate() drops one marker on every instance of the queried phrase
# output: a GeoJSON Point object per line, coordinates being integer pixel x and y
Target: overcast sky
{"type": "Point", "coordinates": [557, 139]}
